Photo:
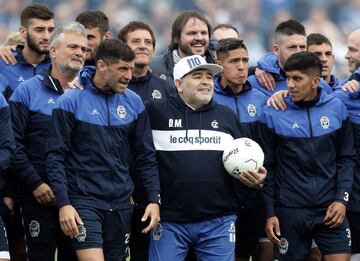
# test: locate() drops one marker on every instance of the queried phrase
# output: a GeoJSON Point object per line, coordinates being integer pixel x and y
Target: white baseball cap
{"type": "Point", "coordinates": [191, 63]}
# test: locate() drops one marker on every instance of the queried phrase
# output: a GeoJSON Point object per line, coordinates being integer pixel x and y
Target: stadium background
{"type": "Point", "coordinates": [255, 19]}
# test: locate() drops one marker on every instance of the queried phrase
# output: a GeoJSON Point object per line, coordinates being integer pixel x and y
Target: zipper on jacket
{"type": "Point", "coordinates": [110, 199]}
{"type": "Point", "coordinates": [236, 106]}
{"type": "Point", "coordinates": [309, 118]}
{"type": "Point", "coordinates": [312, 140]}
{"type": "Point", "coordinates": [107, 109]}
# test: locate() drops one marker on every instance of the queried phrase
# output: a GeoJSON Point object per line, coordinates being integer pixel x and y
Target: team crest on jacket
{"type": "Point", "coordinates": [325, 122]}
{"type": "Point", "coordinates": [283, 246]}
{"type": "Point", "coordinates": [215, 124]}
{"type": "Point", "coordinates": [163, 77]}
{"type": "Point", "coordinates": [251, 110]}
{"type": "Point", "coordinates": [157, 232]}
{"type": "Point", "coordinates": [156, 94]}
{"type": "Point", "coordinates": [121, 111]}
{"type": "Point", "coordinates": [34, 228]}
{"type": "Point", "coordinates": [82, 233]}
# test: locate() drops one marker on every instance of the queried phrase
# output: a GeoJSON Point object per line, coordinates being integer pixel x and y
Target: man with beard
{"type": "Point", "coordinates": [37, 25]}
{"type": "Point", "coordinates": [140, 38]}
{"type": "Point", "coordinates": [190, 35]}
{"type": "Point", "coordinates": [290, 38]}
{"type": "Point", "coordinates": [31, 108]}
{"type": "Point", "coordinates": [90, 175]}
{"type": "Point", "coordinates": [190, 131]}
{"type": "Point", "coordinates": [97, 27]}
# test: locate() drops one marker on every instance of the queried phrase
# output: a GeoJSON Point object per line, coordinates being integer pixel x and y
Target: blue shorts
{"type": "Point", "coordinates": [354, 222]}
{"type": "Point", "coordinates": [44, 235]}
{"type": "Point", "coordinates": [250, 226]}
{"type": "Point", "coordinates": [109, 230]}
{"type": "Point", "coordinates": [299, 226]}
{"type": "Point", "coordinates": [212, 240]}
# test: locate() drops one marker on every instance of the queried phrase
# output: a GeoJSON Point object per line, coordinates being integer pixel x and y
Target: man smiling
{"type": "Point", "coordinates": [190, 35]}
{"type": "Point", "coordinates": [198, 206]}
{"type": "Point", "coordinates": [93, 197]}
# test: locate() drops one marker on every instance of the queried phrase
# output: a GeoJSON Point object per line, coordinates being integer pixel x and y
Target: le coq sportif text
{"type": "Point", "coordinates": [196, 140]}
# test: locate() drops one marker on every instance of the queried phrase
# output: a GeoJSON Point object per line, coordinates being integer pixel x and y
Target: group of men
{"type": "Point", "coordinates": [93, 168]}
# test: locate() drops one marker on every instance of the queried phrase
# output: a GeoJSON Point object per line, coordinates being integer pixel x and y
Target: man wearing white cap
{"type": "Point", "coordinates": [190, 130]}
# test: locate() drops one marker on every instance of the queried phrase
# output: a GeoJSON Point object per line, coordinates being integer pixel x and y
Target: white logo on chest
{"type": "Point", "coordinates": [325, 122]}
{"type": "Point", "coordinates": [121, 112]}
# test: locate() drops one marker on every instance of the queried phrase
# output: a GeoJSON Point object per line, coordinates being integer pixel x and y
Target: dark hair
{"type": "Point", "coordinates": [288, 28]}
{"type": "Point", "coordinates": [35, 10]}
{"type": "Point", "coordinates": [133, 26]}
{"type": "Point", "coordinates": [94, 19]}
{"type": "Point", "coordinates": [229, 44]}
{"type": "Point", "coordinates": [317, 39]}
{"type": "Point", "coordinates": [226, 26]}
{"type": "Point", "coordinates": [305, 62]}
{"type": "Point", "coordinates": [180, 22]}
{"type": "Point", "coordinates": [111, 50]}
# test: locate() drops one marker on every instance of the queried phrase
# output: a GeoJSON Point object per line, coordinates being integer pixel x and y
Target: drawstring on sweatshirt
{"type": "Point", "coordinates": [186, 122]}
{"type": "Point", "coordinates": [200, 125]}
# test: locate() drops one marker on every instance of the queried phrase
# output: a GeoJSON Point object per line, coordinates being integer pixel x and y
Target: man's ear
{"type": "Point", "coordinates": [178, 84]}
{"type": "Point", "coordinates": [101, 65]}
{"type": "Point", "coordinates": [22, 31]}
{"type": "Point", "coordinates": [276, 49]}
{"type": "Point", "coordinates": [107, 35]}
{"type": "Point", "coordinates": [316, 82]}
{"type": "Point", "coordinates": [52, 52]}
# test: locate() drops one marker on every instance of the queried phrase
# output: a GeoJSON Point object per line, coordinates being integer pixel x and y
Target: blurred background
{"type": "Point", "coordinates": [255, 19]}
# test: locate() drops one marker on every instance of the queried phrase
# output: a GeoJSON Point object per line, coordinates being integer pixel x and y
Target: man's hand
{"type": "Point", "coordinates": [253, 179]}
{"type": "Point", "coordinates": [7, 56]}
{"type": "Point", "coordinates": [277, 100]}
{"type": "Point", "coordinates": [351, 86]}
{"type": "Point", "coordinates": [335, 214]}
{"type": "Point", "coordinates": [153, 211]}
{"type": "Point", "coordinates": [272, 229]}
{"type": "Point", "coordinates": [69, 221]}
{"type": "Point", "coordinates": [44, 195]}
{"type": "Point", "coordinates": [266, 79]}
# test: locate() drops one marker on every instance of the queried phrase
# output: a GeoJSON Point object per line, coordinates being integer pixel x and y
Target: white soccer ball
{"type": "Point", "coordinates": [241, 155]}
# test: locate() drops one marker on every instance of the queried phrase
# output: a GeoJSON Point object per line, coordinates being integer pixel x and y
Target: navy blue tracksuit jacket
{"type": "Point", "coordinates": [13, 75]}
{"type": "Point", "coordinates": [31, 109]}
{"type": "Point", "coordinates": [309, 154]}
{"type": "Point", "coordinates": [7, 143]}
{"type": "Point", "coordinates": [90, 140]}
